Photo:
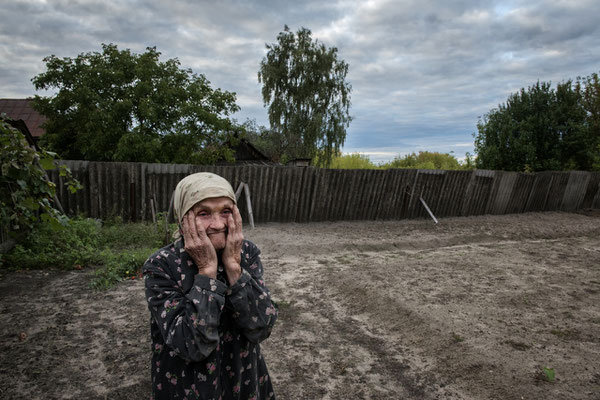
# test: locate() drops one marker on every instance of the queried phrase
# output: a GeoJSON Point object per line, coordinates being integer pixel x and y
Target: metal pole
{"type": "Point", "coordinates": [428, 210]}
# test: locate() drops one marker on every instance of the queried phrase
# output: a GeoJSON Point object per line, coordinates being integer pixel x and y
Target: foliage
{"type": "Point", "coordinates": [269, 142]}
{"type": "Point", "coordinates": [45, 247]}
{"type": "Point", "coordinates": [548, 374]}
{"type": "Point", "coordinates": [351, 161]}
{"type": "Point", "coordinates": [130, 235]}
{"type": "Point", "coordinates": [423, 160]}
{"type": "Point", "coordinates": [120, 106]}
{"type": "Point", "coordinates": [588, 89]}
{"type": "Point", "coordinates": [117, 250]}
{"type": "Point", "coordinates": [118, 266]}
{"type": "Point", "coordinates": [429, 160]}
{"type": "Point", "coordinates": [542, 128]}
{"type": "Point", "coordinates": [26, 195]}
{"type": "Point", "coordinates": [304, 85]}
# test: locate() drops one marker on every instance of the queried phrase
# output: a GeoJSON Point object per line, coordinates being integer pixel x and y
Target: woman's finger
{"type": "Point", "coordinates": [231, 226]}
{"type": "Point", "coordinates": [191, 225]}
{"type": "Point", "coordinates": [185, 227]}
{"type": "Point", "coordinates": [237, 216]}
{"type": "Point", "coordinates": [200, 231]}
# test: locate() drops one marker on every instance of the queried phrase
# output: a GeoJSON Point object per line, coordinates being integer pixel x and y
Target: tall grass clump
{"type": "Point", "coordinates": [117, 249]}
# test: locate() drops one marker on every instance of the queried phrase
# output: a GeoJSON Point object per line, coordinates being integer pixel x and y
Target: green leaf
{"type": "Point", "coordinates": [47, 163]}
{"type": "Point", "coordinates": [549, 374]}
{"type": "Point", "coordinates": [30, 203]}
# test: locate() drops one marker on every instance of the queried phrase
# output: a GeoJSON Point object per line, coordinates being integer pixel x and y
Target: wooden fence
{"type": "Point", "coordinates": [303, 194]}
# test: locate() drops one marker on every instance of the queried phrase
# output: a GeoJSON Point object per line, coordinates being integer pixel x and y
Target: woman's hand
{"type": "Point", "coordinates": [198, 245]}
{"type": "Point", "coordinates": [232, 254]}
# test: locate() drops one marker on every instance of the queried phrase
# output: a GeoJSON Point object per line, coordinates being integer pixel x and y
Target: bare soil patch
{"type": "Point", "coordinates": [472, 308]}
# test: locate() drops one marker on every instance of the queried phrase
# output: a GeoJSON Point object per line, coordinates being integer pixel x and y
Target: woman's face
{"type": "Point", "coordinates": [213, 213]}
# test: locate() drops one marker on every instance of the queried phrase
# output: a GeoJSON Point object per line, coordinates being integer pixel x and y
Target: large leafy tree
{"type": "Point", "coordinates": [116, 105]}
{"type": "Point", "coordinates": [538, 128]}
{"type": "Point", "coordinates": [308, 98]}
{"type": "Point", "coordinates": [589, 90]}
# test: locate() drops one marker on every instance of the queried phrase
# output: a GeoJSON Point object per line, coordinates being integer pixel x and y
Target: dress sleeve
{"type": "Point", "coordinates": [188, 321]}
{"type": "Point", "coordinates": [249, 299]}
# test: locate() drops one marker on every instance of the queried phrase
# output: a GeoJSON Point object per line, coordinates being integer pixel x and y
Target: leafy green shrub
{"type": "Point", "coordinates": [426, 160]}
{"type": "Point", "coordinates": [46, 246]}
{"type": "Point", "coordinates": [119, 250]}
{"type": "Point", "coordinates": [26, 195]}
{"type": "Point", "coordinates": [352, 161]}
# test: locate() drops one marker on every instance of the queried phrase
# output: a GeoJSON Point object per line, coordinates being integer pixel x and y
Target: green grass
{"type": "Point", "coordinates": [117, 249]}
{"type": "Point", "coordinates": [117, 266]}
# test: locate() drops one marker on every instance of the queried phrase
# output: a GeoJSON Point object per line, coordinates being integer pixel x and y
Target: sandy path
{"type": "Point", "coordinates": [468, 309]}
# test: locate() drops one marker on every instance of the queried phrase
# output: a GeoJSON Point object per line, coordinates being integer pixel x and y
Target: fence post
{"type": "Point", "coordinates": [468, 192]}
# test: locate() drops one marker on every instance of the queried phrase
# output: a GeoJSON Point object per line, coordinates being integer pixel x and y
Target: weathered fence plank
{"type": "Point", "coordinates": [303, 194]}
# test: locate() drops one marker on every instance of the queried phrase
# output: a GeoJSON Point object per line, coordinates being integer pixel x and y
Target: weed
{"type": "Point", "coordinates": [130, 235]}
{"type": "Point", "coordinates": [548, 374]}
{"type": "Point", "coordinates": [286, 310]}
{"type": "Point", "coordinates": [457, 338]}
{"type": "Point", "coordinates": [118, 266]}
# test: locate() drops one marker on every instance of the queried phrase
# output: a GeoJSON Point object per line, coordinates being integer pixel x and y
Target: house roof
{"type": "Point", "coordinates": [246, 153]}
{"type": "Point", "coordinates": [21, 109]}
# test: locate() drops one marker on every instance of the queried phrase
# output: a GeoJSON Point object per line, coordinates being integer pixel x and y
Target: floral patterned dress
{"type": "Point", "coordinates": [205, 333]}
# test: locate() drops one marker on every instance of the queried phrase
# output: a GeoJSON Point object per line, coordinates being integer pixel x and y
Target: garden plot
{"type": "Point", "coordinates": [489, 307]}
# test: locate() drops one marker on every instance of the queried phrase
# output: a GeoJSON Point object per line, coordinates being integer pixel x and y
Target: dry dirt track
{"type": "Point", "coordinates": [469, 309]}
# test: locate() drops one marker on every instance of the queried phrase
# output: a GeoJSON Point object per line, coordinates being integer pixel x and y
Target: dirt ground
{"type": "Point", "coordinates": [471, 308]}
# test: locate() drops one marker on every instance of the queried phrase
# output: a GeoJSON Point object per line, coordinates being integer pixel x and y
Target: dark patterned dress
{"type": "Point", "coordinates": [205, 333]}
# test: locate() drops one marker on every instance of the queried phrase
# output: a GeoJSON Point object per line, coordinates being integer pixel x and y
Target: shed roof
{"type": "Point", "coordinates": [17, 109]}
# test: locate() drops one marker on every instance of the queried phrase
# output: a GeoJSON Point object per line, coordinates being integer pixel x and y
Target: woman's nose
{"type": "Point", "coordinates": [218, 222]}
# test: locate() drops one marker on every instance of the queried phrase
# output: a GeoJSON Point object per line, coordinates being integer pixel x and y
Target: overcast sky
{"type": "Point", "coordinates": [422, 71]}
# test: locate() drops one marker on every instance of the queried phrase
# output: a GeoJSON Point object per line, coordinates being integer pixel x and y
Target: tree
{"type": "Point", "coordinates": [588, 89]}
{"type": "Point", "coordinates": [308, 98]}
{"type": "Point", "coordinates": [427, 160]}
{"type": "Point", "coordinates": [120, 106]}
{"type": "Point", "coordinates": [350, 161]}
{"type": "Point", "coordinates": [541, 128]}
{"type": "Point", "coordinates": [26, 194]}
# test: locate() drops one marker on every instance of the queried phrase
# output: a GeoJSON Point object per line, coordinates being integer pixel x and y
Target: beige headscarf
{"type": "Point", "coordinates": [195, 188]}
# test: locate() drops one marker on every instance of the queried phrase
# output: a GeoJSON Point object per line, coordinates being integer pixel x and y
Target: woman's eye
{"type": "Point", "coordinates": [226, 211]}
{"type": "Point", "coordinates": [202, 214]}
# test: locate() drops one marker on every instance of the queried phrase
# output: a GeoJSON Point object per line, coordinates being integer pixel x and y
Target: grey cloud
{"type": "Point", "coordinates": [422, 71]}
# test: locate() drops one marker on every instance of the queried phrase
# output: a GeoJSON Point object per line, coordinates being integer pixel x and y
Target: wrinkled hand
{"type": "Point", "coordinates": [233, 248]}
{"type": "Point", "coordinates": [199, 246]}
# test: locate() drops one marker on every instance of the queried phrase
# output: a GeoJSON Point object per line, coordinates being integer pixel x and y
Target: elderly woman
{"type": "Point", "coordinates": [208, 302]}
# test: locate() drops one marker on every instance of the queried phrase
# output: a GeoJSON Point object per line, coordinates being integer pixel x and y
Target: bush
{"type": "Point", "coordinates": [26, 195]}
{"type": "Point", "coordinates": [48, 247]}
{"type": "Point", "coordinates": [119, 250]}
{"type": "Point", "coordinates": [426, 160]}
{"type": "Point", "coordinates": [352, 161]}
